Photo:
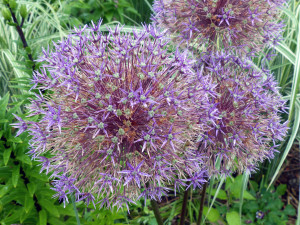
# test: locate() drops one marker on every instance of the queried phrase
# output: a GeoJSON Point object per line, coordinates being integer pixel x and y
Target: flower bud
{"type": "Point", "coordinates": [6, 14]}
{"type": "Point", "coordinates": [12, 4]}
{"type": "Point", "coordinates": [23, 11]}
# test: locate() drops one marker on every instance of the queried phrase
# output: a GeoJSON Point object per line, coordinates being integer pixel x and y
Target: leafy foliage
{"type": "Point", "coordinates": [109, 10]}
{"type": "Point", "coordinates": [26, 194]}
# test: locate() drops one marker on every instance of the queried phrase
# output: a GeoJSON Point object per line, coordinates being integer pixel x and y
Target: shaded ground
{"type": "Point", "coordinates": [290, 175]}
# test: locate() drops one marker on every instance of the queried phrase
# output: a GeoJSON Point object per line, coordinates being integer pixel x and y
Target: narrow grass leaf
{"type": "Point", "coordinates": [289, 144]}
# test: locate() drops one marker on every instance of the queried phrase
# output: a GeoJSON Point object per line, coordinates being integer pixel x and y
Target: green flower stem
{"type": "Point", "coordinates": [155, 209]}
{"type": "Point", "coordinates": [75, 210]}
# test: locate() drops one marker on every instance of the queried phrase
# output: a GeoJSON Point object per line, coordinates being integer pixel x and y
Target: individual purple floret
{"type": "Point", "coordinates": [247, 106]}
{"type": "Point", "coordinates": [248, 24]}
{"type": "Point", "coordinates": [118, 116]}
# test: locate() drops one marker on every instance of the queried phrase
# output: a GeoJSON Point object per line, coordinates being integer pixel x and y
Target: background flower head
{"type": "Point", "coordinates": [247, 105]}
{"type": "Point", "coordinates": [118, 116]}
{"type": "Point", "coordinates": [249, 24]}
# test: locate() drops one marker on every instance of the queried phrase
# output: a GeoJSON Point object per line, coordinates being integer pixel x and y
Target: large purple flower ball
{"type": "Point", "coordinates": [119, 116]}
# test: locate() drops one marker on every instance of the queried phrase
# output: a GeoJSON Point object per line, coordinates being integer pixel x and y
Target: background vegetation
{"type": "Point", "coordinates": [25, 193]}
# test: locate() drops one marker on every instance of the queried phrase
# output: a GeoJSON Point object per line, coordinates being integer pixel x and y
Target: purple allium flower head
{"type": "Point", "coordinates": [247, 106]}
{"type": "Point", "coordinates": [118, 116]}
{"type": "Point", "coordinates": [248, 24]}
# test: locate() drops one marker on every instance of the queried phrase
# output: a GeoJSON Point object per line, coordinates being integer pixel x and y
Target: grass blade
{"type": "Point", "coordinates": [290, 142]}
{"type": "Point", "coordinates": [296, 77]}
{"type": "Point", "coordinates": [215, 196]}
{"type": "Point", "coordinates": [286, 52]}
{"type": "Point", "coordinates": [243, 188]}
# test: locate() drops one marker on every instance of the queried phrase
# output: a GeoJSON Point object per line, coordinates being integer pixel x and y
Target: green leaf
{"type": "Point", "coordinates": [5, 189]}
{"type": "Point", "coordinates": [289, 210]}
{"type": "Point", "coordinates": [15, 140]}
{"type": "Point", "coordinates": [31, 188]}
{"type": "Point", "coordinates": [6, 155]}
{"type": "Point", "coordinates": [4, 120]}
{"type": "Point", "coordinates": [13, 217]}
{"type": "Point", "coordinates": [221, 195]}
{"type": "Point", "coordinates": [236, 189]}
{"type": "Point", "coordinates": [25, 159]}
{"type": "Point", "coordinates": [23, 216]}
{"type": "Point", "coordinates": [233, 218]}
{"type": "Point", "coordinates": [28, 203]}
{"type": "Point", "coordinates": [281, 189]}
{"type": "Point", "coordinates": [15, 175]}
{"type": "Point", "coordinates": [43, 217]}
{"type": "Point", "coordinates": [55, 221]}
{"type": "Point", "coordinates": [213, 215]}
{"type": "Point", "coordinates": [1, 206]}
{"type": "Point", "coordinates": [49, 206]}
{"type": "Point", "coordinates": [109, 16]}
{"type": "Point", "coordinates": [3, 105]}
{"type": "Point", "coordinates": [68, 210]}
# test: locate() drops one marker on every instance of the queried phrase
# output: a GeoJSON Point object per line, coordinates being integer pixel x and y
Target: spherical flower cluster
{"type": "Point", "coordinates": [118, 116]}
{"type": "Point", "coordinates": [247, 106]}
{"type": "Point", "coordinates": [250, 24]}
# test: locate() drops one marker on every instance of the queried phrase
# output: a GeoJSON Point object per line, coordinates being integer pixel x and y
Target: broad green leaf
{"type": "Point", "coordinates": [213, 215]}
{"type": "Point", "coordinates": [49, 206]}
{"type": "Point", "coordinates": [56, 221]}
{"type": "Point", "coordinates": [15, 140]}
{"type": "Point", "coordinates": [236, 189]}
{"type": "Point", "coordinates": [43, 217]}
{"type": "Point", "coordinates": [6, 188]}
{"type": "Point", "coordinates": [248, 196]}
{"type": "Point", "coordinates": [25, 159]}
{"type": "Point", "coordinates": [13, 217]}
{"type": "Point", "coordinates": [15, 175]}
{"type": "Point", "coordinates": [221, 195]}
{"type": "Point", "coordinates": [68, 210]}
{"type": "Point", "coordinates": [6, 155]}
{"type": "Point", "coordinates": [28, 203]}
{"type": "Point", "coordinates": [281, 189]}
{"type": "Point", "coordinates": [290, 210]}
{"type": "Point", "coordinates": [24, 215]}
{"type": "Point", "coordinates": [233, 218]}
{"type": "Point", "coordinates": [31, 188]}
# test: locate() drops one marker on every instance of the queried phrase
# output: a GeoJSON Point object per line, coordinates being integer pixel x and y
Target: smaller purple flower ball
{"type": "Point", "coordinates": [118, 116]}
{"type": "Point", "coordinates": [247, 107]}
{"type": "Point", "coordinates": [246, 24]}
